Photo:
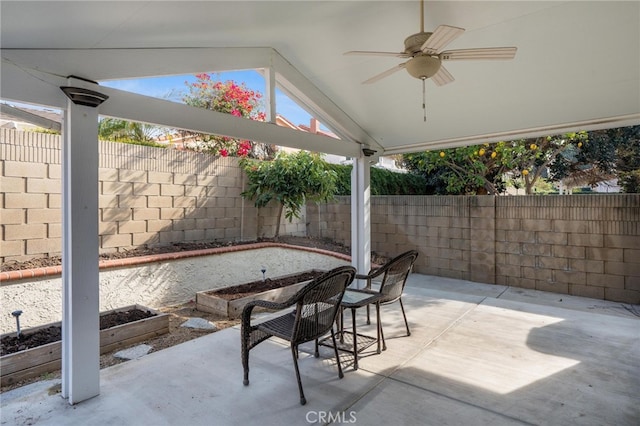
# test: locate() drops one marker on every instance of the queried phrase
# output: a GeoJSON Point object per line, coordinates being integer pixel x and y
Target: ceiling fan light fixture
{"type": "Point", "coordinates": [423, 66]}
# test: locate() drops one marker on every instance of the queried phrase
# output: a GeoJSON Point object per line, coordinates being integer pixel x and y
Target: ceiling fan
{"type": "Point", "coordinates": [425, 53]}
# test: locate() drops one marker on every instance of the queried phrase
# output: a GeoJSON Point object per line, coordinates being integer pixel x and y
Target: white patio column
{"type": "Point", "coordinates": [270, 94]}
{"type": "Point", "coordinates": [361, 217]}
{"type": "Point", "coordinates": [80, 279]}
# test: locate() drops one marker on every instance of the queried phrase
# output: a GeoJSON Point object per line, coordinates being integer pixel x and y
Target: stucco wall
{"type": "Point", "coordinates": [158, 284]}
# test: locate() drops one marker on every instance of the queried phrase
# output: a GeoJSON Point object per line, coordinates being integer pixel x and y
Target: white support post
{"type": "Point", "coordinates": [270, 94]}
{"type": "Point", "coordinates": [361, 217]}
{"type": "Point", "coordinates": [80, 279]}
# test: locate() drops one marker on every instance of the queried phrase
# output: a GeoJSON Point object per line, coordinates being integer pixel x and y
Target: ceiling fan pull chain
{"type": "Point", "coordinates": [424, 100]}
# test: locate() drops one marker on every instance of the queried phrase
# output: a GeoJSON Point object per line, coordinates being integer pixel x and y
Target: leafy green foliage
{"type": "Point", "coordinates": [627, 142]}
{"type": "Point", "coordinates": [383, 182]}
{"type": "Point", "coordinates": [482, 169]}
{"type": "Point", "coordinates": [116, 130]}
{"type": "Point", "coordinates": [290, 180]}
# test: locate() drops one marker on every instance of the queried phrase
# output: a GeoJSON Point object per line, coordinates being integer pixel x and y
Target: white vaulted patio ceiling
{"type": "Point", "coordinates": [577, 65]}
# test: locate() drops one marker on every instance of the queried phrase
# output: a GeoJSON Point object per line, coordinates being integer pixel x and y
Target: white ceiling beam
{"type": "Point", "coordinates": [110, 64]}
{"type": "Point", "coordinates": [595, 124]}
{"type": "Point", "coordinates": [299, 88]}
{"type": "Point", "coordinates": [31, 86]}
{"type": "Point", "coordinates": [38, 88]}
{"type": "Point", "coordinates": [115, 64]}
{"type": "Point", "coordinates": [160, 112]}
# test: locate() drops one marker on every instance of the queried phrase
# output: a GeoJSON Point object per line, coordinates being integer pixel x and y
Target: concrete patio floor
{"type": "Point", "coordinates": [478, 355]}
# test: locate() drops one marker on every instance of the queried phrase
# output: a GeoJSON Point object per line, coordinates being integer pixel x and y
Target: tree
{"type": "Point", "coordinates": [290, 180]}
{"type": "Point", "coordinates": [230, 98]}
{"type": "Point", "coordinates": [482, 169]}
{"type": "Point", "coordinates": [626, 142]}
{"type": "Point", "coordinates": [474, 169]}
{"type": "Point", "coordinates": [116, 130]}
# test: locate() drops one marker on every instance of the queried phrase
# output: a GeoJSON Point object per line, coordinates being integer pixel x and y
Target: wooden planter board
{"type": "Point", "coordinates": [233, 308]}
{"type": "Point", "coordinates": [43, 359]}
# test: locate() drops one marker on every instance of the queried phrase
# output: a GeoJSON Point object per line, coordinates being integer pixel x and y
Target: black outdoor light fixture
{"type": "Point", "coordinates": [17, 314]}
{"type": "Point", "coordinates": [82, 96]}
{"type": "Point", "coordinates": [368, 152]}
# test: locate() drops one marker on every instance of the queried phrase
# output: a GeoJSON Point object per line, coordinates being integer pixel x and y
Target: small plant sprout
{"type": "Point", "coordinates": [264, 271]}
{"type": "Point", "coordinates": [17, 314]}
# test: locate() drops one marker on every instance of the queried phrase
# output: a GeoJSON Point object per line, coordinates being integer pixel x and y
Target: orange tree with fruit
{"type": "Point", "coordinates": [484, 169]}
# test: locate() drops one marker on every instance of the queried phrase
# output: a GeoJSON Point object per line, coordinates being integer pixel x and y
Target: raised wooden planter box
{"type": "Point", "coordinates": [43, 359]}
{"type": "Point", "coordinates": [207, 302]}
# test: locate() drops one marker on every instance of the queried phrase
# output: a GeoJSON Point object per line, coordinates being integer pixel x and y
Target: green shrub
{"type": "Point", "coordinates": [383, 181]}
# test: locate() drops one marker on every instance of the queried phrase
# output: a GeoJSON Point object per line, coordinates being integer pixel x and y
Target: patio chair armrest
{"type": "Point", "coordinates": [274, 306]}
{"type": "Point", "coordinates": [370, 276]}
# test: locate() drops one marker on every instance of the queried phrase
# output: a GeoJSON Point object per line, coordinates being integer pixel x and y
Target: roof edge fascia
{"type": "Point", "coordinates": [586, 125]}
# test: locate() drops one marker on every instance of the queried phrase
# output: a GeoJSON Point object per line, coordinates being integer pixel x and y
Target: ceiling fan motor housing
{"type": "Point", "coordinates": [421, 66]}
{"type": "Point", "coordinates": [414, 42]}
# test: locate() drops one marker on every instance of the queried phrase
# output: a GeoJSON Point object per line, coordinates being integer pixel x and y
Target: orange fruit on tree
{"type": "Point", "coordinates": [494, 154]}
{"type": "Point", "coordinates": [481, 152]}
{"type": "Point", "coordinates": [525, 172]}
{"type": "Point", "coordinates": [442, 154]}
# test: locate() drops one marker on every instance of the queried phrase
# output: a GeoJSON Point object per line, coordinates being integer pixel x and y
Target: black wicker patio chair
{"type": "Point", "coordinates": [391, 278]}
{"type": "Point", "coordinates": [316, 308]}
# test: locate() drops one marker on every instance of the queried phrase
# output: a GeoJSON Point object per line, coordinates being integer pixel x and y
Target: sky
{"type": "Point", "coordinates": [173, 86]}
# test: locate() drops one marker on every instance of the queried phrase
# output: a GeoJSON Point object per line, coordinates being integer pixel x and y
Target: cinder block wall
{"type": "Point", "coordinates": [583, 245]}
{"type": "Point", "coordinates": [148, 196]}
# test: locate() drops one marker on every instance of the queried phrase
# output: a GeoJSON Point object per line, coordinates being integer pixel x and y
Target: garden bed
{"type": "Point", "coordinates": [126, 328]}
{"type": "Point", "coordinates": [230, 301]}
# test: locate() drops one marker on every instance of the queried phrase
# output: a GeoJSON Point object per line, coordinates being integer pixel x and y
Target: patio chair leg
{"type": "Point", "coordinates": [379, 325]}
{"type": "Point", "coordinates": [368, 316]}
{"type": "Point", "coordinates": [405, 317]}
{"type": "Point", "coordinates": [317, 353]}
{"type": "Point", "coordinates": [245, 366]}
{"type": "Point", "coordinates": [384, 344]}
{"type": "Point", "coordinates": [341, 327]}
{"type": "Point", "coordinates": [335, 349]}
{"type": "Point", "coordinates": [294, 352]}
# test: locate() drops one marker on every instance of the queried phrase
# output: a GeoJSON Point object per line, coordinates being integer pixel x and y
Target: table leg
{"type": "Point", "coordinates": [355, 339]}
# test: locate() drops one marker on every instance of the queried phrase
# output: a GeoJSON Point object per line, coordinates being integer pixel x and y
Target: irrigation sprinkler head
{"type": "Point", "coordinates": [263, 270]}
{"type": "Point", "coordinates": [16, 313]}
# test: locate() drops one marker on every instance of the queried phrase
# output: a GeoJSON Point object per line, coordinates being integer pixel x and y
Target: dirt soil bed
{"type": "Point", "coordinates": [177, 334]}
{"type": "Point", "coordinates": [13, 344]}
{"type": "Point", "coordinates": [243, 290]}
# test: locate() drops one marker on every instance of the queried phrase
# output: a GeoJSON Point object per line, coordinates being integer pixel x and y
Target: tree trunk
{"type": "Point", "coordinates": [276, 234]}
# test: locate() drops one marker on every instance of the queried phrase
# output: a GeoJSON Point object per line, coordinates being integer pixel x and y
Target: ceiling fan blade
{"type": "Point", "coordinates": [442, 36]}
{"type": "Point", "coordinates": [385, 73]}
{"type": "Point", "coordinates": [442, 77]}
{"type": "Point", "coordinates": [373, 53]}
{"type": "Point", "coordinates": [479, 53]}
